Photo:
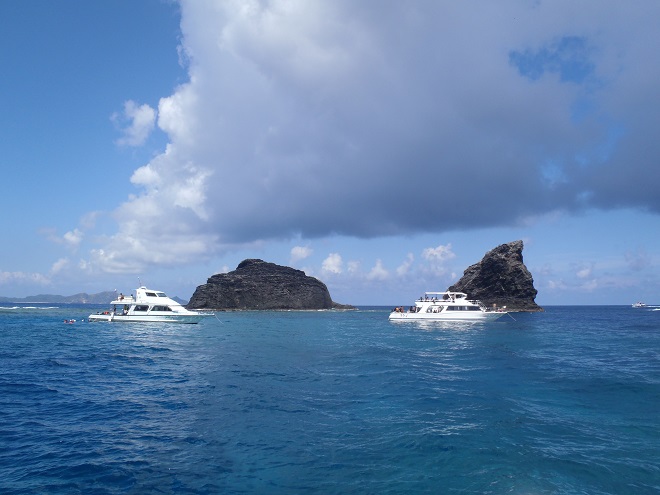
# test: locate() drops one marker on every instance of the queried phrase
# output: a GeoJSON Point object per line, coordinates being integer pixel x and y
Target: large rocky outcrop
{"type": "Point", "coordinates": [500, 278]}
{"type": "Point", "coordinates": [257, 284]}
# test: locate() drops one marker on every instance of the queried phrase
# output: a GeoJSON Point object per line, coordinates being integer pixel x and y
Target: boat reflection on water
{"type": "Point", "coordinates": [434, 325]}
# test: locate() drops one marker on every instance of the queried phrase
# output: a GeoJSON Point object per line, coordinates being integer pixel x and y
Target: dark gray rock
{"type": "Point", "coordinates": [502, 279]}
{"type": "Point", "coordinates": [257, 284]}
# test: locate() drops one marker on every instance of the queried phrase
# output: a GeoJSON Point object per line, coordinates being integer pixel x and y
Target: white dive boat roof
{"type": "Point", "coordinates": [142, 294]}
{"type": "Point", "coordinates": [460, 295]}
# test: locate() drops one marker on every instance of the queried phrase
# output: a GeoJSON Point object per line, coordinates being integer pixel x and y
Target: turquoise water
{"type": "Point", "coordinates": [565, 401]}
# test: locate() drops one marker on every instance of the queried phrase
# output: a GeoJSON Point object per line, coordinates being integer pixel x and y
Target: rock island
{"type": "Point", "coordinates": [259, 285]}
{"type": "Point", "coordinates": [501, 279]}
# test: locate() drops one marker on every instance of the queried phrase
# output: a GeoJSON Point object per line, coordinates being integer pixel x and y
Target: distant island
{"type": "Point", "coordinates": [80, 298]}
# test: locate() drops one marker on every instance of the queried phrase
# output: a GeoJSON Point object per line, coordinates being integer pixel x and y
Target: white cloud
{"type": "Point", "coordinates": [313, 119]}
{"type": "Point", "coordinates": [404, 268]}
{"type": "Point", "coordinates": [88, 221]}
{"type": "Point", "coordinates": [138, 246]}
{"type": "Point", "coordinates": [353, 267]}
{"type": "Point", "coordinates": [332, 264]}
{"type": "Point", "coordinates": [73, 238]}
{"type": "Point", "coordinates": [590, 285]}
{"type": "Point", "coordinates": [140, 121]}
{"type": "Point", "coordinates": [378, 272]}
{"type": "Point", "coordinates": [438, 254]}
{"type": "Point", "coordinates": [60, 265]}
{"type": "Point", "coordinates": [584, 272]}
{"type": "Point", "coordinates": [437, 257]}
{"type": "Point", "coordinates": [554, 285]}
{"type": "Point", "coordinates": [299, 253]}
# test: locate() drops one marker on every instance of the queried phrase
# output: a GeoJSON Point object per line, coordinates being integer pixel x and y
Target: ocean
{"type": "Point", "coordinates": [332, 402]}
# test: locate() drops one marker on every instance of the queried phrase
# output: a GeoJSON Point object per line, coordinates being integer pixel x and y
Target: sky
{"type": "Point", "coordinates": [382, 146]}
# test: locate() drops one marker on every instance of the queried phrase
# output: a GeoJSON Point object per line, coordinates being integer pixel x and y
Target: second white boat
{"type": "Point", "coordinates": [446, 306]}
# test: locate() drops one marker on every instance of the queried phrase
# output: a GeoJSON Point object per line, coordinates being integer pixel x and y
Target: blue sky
{"type": "Point", "coordinates": [382, 147]}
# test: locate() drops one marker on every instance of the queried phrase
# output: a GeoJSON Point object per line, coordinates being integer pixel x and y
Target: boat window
{"type": "Point", "coordinates": [141, 308]}
{"type": "Point", "coordinates": [161, 294]}
{"type": "Point", "coordinates": [463, 308]}
{"type": "Point", "coordinates": [161, 308]}
{"type": "Point", "coordinates": [151, 294]}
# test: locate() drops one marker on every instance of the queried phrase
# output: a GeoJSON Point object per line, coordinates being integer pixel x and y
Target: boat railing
{"type": "Point", "coordinates": [125, 299]}
{"type": "Point", "coordinates": [494, 309]}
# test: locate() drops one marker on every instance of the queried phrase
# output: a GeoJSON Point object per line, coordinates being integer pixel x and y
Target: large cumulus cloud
{"type": "Point", "coordinates": [313, 118]}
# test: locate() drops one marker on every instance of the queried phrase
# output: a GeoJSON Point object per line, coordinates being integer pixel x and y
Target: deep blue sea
{"type": "Point", "coordinates": [561, 402]}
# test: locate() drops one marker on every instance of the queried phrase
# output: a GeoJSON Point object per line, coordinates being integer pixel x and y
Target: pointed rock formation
{"type": "Point", "coordinates": [502, 279]}
{"type": "Point", "coordinates": [257, 284]}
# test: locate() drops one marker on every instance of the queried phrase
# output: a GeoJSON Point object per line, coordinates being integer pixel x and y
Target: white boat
{"type": "Point", "coordinates": [147, 306]}
{"type": "Point", "coordinates": [639, 305]}
{"type": "Point", "coordinates": [446, 306]}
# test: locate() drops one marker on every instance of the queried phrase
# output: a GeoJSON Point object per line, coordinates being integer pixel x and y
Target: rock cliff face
{"type": "Point", "coordinates": [257, 284]}
{"type": "Point", "coordinates": [500, 278]}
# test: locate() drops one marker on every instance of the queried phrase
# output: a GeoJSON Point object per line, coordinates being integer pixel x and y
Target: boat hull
{"type": "Point", "coordinates": [189, 319]}
{"type": "Point", "coordinates": [446, 316]}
